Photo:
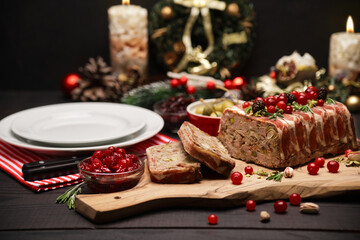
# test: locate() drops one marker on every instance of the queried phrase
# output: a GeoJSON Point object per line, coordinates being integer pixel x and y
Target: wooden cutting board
{"type": "Point", "coordinates": [215, 192]}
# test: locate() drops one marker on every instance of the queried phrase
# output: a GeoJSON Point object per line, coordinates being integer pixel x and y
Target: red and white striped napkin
{"type": "Point", "coordinates": [12, 159]}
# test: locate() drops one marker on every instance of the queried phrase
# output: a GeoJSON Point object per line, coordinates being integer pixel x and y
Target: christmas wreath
{"type": "Point", "coordinates": [208, 37]}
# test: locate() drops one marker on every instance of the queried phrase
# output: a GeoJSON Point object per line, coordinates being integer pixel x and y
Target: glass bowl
{"type": "Point", "coordinates": [173, 111]}
{"type": "Point", "coordinates": [111, 182]}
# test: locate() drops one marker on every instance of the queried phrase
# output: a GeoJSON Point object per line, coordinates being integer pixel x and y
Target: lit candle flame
{"type": "Point", "coordinates": [349, 25]}
{"type": "Point", "coordinates": [125, 2]}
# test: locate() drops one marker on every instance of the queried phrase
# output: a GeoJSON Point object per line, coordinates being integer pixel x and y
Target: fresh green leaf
{"type": "Point", "coordinates": [70, 195]}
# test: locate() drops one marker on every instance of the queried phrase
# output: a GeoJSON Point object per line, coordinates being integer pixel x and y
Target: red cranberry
{"type": "Point", "coordinates": [174, 83]}
{"type": "Point", "coordinates": [190, 89]}
{"type": "Point", "coordinates": [301, 100]}
{"type": "Point", "coordinates": [212, 219]}
{"type": "Point", "coordinates": [288, 109]}
{"type": "Point", "coordinates": [313, 168]}
{"type": "Point", "coordinates": [347, 152]}
{"type": "Point", "coordinates": [320, 161]}
{"type": "Point", "coordinates": [283, 98]}
{"type": "Point", "coordinates": [246, 105]}
{"type": "Point", "coordinates": [250, 205]}
{"type": "Point", "coordinates": [98, 154]}
{"type": "Point", "coordinates": [270, 101]}
{"type": "Point", "coordinates": [295, 199]}
{"type": "Point", "coordinates": [333, 166]}
{"type": "Point", "coordinates": [236, 178]}
{"type": "Point", "coordinates": [271, 109]}
{"type": "Point", "coordinates": [281, 105]}
{"type": "Point", "coordinates": [183, 81]}
{"type": "Point", "coordinates": [249, 170]}
{"type": "Point", "coordinates": [320, 102]}
{"type": "Point", "coordinates": [312, 95]}
{"type": "Point", "coordinates": [210, 85]}
{"type": "Point", "coordinates": [280, 206]}
{"type": "Point", "coordinates": [295, 93]}
{"type": "Point", "coordinates": [311, 88]}
{"type": "Point", "coordinates": [228, 84]}
{"type": "Point", "coordinates": [259, 98]}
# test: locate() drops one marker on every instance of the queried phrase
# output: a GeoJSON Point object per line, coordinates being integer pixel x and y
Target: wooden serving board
{"type": "Point", "coordinates": [215, 192]}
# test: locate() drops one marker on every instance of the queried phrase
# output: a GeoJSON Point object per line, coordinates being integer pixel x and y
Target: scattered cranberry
{"type": "Point", "coordinates": [281, 105]}
{"type": "Point", "coordinates": [250, 205]}
{"type": "Point", "coordinates": [212, 219]}
{"type": "Point", "coordinates": [271, 109]}
{"type": "Point", "coordinates": [183, 81]}
{"type": "Point", "coordinates": [259, 98]}
{"type": "Point", "coordinates": [312, 168]}
{"type": "Point", "coordinates": [333, 166]}
{"type": "Point", "coordinates": [347, 152]}
{"type": "Point", "coordinates": [228, 84]}
{"type": "Point", "coordinates": [295, 199]}
{"type": "Point", "coordinates": [288, 109]}
{"type": "Point", "coordinates": [283, 98]}
{"type": "Point", "coordinates": [273, 74]}
{"type": "Point", "coordinates": [210, 85]}
{"type": "Point", "coordinates": [311, 88]}
{"type": "Point", "coordinates": [301, 100]}
{"type": "Point", "coordinates": [236, 178]}
{"type": "Point", "coordinates": [249, 170]}
{"type": "Point", "coordinates": [190, 89]}
{"type": "Point", "coordinates": [174, 83]}
{"type": "Point", "coordinates": [320, 161]}
{"type": "Point", "coordinates": [238, 82]}
{"type": "Point", "coordinates": [280, 206]}
{"type": "Point", "coordinates": [246, 105]}
{"type": "Point", "coordinates": [320, 102]}
{"type": "Point", "coordinates": [295, 93]}
{"type": "Point", "coordinates": [270, 101]}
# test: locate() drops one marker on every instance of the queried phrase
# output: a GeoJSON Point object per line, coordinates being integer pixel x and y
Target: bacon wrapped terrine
{"type": "Point", "coordinates": [290, 141]}
{"type": "Point", "coordinates": [169, 163]}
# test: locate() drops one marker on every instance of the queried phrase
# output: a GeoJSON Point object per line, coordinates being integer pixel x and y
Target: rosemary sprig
{"type": "Point", "coordinates": [275, 115]}
{"type": "Point", "coordinates": [69, 196]}
{"type": "Point", "coordinates": [276, 176]}
{"type": "Point", "coordinates": [248, 110]}
{"type": "Point", "coordinates": [299, 107]}
{"type": "Point", "coordinates": [330, 101]}
{"type": "Point", "coordinates": [261, 173]}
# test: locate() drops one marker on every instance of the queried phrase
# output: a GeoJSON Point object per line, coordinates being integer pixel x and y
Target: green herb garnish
{"type": "Point", "coordinates": [299, 107]}
{"type": "Point", "coordinates": [69, 196]}
{"type": "Point", "coordinates": [330, 101]}
{"type": "Point", "coordinates": [248, 110]}
{"type": "Point", "coordinates": [261, 173]}
{"type": "Point", "coordinates": [275, 115]}
{"type": "Point", "coordinates": [276, 176]}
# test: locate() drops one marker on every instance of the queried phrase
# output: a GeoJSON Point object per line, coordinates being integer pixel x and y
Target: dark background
{"type": "Point", "coordinates": [44, 40]}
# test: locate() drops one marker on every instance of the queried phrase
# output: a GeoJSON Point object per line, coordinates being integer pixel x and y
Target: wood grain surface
{"type": "Point", "coordinates": [215, 192]}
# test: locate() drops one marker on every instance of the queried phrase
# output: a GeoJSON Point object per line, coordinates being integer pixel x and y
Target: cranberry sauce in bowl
{"type": "Point", "coordinates": [111, 170]}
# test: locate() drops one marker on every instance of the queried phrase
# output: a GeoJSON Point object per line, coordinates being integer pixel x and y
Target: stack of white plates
{"type": "Point", "coordinates": [79, 127]}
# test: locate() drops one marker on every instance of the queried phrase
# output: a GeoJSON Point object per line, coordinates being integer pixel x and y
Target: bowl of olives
{"type": "Point", "coordinates": [206, 114]}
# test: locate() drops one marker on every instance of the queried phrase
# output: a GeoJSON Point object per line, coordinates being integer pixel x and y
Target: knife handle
{"type": "Point", "coordinates": [50, 168]}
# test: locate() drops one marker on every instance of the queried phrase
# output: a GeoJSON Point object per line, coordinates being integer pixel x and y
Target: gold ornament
{"type": "Point", "coordinates": [233, 10]}
{"type": "Point", "coordinates": [166, 13]}
{"type": "Point", "coordinates": [353, 103]}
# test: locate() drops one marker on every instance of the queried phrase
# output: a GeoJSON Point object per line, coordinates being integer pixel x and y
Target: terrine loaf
{"type": "Point", "coordinates": [290, 141]}
{"type": "Point", "coordinates": [206, 149]}
{"type": "Point", "coordinates": [169, 163]}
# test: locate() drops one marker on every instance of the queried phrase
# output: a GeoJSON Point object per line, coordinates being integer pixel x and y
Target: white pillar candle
{"type": "Point", "coordinates": [344, 57]}
{"type": "Point", "coordinates": [128, 38]}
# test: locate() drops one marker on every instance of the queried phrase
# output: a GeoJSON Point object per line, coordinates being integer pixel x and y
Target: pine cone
{"type": "Point", "coordinates": [291, 98]}
{"type": "Point", "coordinates": [322, 93]}
{"type": "Point", "coordinates": [98, 83]}
{"type": "Point", "coordinates": [258, 105]}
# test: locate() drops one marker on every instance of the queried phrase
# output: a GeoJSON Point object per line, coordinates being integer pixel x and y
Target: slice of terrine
{"type": "Point", "coordinates": [169, 163]}
{"type": "Point", "coordinates": [206, 149]}
{"type": "Point", "coordinates": [290, 141]}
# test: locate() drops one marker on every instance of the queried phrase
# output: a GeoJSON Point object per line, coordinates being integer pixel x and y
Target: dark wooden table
{"type": "Point", "coordinates": [30, 215]}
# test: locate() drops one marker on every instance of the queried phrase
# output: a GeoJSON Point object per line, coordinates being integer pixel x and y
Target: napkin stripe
{"type": "Point", "coordinates": [12, 158]}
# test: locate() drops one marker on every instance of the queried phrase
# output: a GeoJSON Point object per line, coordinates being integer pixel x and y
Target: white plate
{"type": "Point", "coordinates": [78, 124]}
{"type": "Point", "coordinates": [153, 124]}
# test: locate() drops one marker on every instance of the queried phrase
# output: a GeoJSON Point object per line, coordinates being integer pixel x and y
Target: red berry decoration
{"type": "Point", "coordinates": [302, 99]}
{"type": "Point", "coordinates": [228, 84]}
{"type": "Point", "coordinates": [312, 168]}
{"type": "Point", "coordinates": [236, 178]}
{"type": "Point", "coordinates": [174, 83]}
{"type": "Point", "coordinates": [283, 98]}
{"type": "Point", "coordinates": [333, 166]}
{"type": "Point", "coordinates": [259, 98]}
{"type": "Point", "coordinates": [238, 82]}
{"type": "Point", "coordinates": [320, 161]}
{"type": "Point", "coordinates": [273, 74]}
{"type": "Point", "coordinates": [288, 109]}
{"type": "Point", "coordinates": [250, 205]}
{"type": "Point", "coordinates": [210, 85]}
{"type": "Point", "coordinates": [295, 199]}
{"type": "Point", "coordinates": [70, 82]}
{"type": "Point", "coordinates": [281, 105]}
{"type": "Point", "coordinates": [311, 88]}
{"type": "Point", "coordinates": [190, 89]}
{"type": "Point", "coordinates": [347, 152]}
{"type": "Point", "coordinates": [183, 81]}
{"type": "Point", "coordinates": [249, 170]}
{"type": "Point", "coordinates": [295, 93]}
{"type": "Point", "coordinates": [312, 95]}
{"type": "Point", "coordinates": [270, 101]}
{"type": "Point", "coordinates": [280, 206]}
{"type": "Point", "coordinates": [320, 102]}
{"type": "Point", "coordinates": [271, 109]}
{"type": "Point", "coordinates": [246, 105]}
{"type": "Point", "coordinates": [212, 219]}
